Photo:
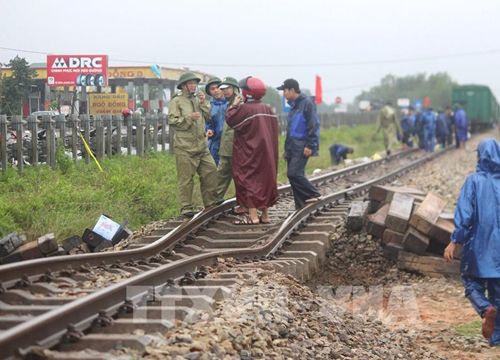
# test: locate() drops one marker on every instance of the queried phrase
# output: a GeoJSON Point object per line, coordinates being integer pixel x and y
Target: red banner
{"type": "Point", "coordinates": [79, 70]}
{"type": "Point", "coordinates": [427, 101]}
{"type": "Point", "coordinates": [319, 91]}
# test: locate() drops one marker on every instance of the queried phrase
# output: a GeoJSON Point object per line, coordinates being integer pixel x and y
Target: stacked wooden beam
{"type": "Point", "coordinates": [414, 228]}
{"type": "Point", "coordinates": [45, 245]}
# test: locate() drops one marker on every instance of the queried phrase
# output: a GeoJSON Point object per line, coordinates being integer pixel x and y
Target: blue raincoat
{"type": "Point", "coordinates": [338, 152]}
{"type": "Point", "coordinates": [429, 125]}
{"type": "Point", "coordinates": [477, 215]}
{"type": "Point", "coordinates": [216, 124]}
{"type": "Point", "coordinates": [461, 124]}
{"type": "Point", "coordinates": [442, 129]}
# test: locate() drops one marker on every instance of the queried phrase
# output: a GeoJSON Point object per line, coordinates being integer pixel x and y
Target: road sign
{"type": "Point", "coordinates": [403, 102]}
{"type": "Point", "coordinates": [107, 104]}
{"type": "Point", "coordinates": [79, 70]}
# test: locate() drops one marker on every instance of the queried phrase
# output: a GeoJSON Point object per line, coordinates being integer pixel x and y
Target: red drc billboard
{"type": "Point", "coordinates": [79, 70]}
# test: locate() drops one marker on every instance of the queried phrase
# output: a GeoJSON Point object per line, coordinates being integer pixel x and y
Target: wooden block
{"type": "Point", "coordinates": [10, 243]}
{"type": "Point", "coordinates": [431, 265]}
{"type": "Point", "coordinates": [14, 256]}
{"type": "Point", "coordinates": [427, 213]}
{"type": "Point", "coordinates": [47, 243]}
{"type": "Point", "coordinates": [435, 247]}
{"type": "Point", "coordinates": [392, 237]}
{"type": "Point", "coordinates": [124, 233]}
{"type": "Point", "coordinates": [27, 251]}
{"type": "Point", "coordinates": [391, 251]}
{"type": "Point", "coordinates": [399, 212]}
{"type": "Point", "coordinates": [418, 198]}
{"type": "Point", "coordinates": [94, 240]}
{"type": "Point", "coordinates": [415, 242]}
{"type": "Point", "coordinates": [373, 206]}
{"type": "Point", "coordinates": [356, 216]}
{"type": "Point", "coordinates": [375, 223]}
{"type": "Point", "coordinates": [103, 245]}
{"type": "Point", "coordinates": [384, 193]}
{"type": "Point", "coordinates": [441, 231]}
{"type": "Point", "coordinates": [447, 215]}
{"type": "Point", "coordinates": [71, 243]}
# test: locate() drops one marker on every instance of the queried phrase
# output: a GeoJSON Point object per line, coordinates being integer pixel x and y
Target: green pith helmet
{"type": "Point", "coordinates": [185, 78]}
{"type": "Point", "coordinates": [228, 80]}
{"type": "Point", "coordinates": [212, 80]}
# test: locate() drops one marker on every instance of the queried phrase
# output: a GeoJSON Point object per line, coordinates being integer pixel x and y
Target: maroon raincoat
{"type": "Point", "coordinates": [255, 154]}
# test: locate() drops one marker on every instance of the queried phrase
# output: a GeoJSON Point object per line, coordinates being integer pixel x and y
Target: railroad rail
{"type": "Point", "coordinates": [62, 319]}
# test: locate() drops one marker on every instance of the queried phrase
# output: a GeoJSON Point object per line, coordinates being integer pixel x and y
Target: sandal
{"type": "Point", "coordinates": [245, 221]}
{"type": "Point", "coordinates": [238, 210]}
{"type": "Point", "coordinates": [264, 222]}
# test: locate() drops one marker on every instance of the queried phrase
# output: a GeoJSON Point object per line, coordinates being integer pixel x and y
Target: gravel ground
{"type": "Point", "coordinates": [272, 316]}
{"type": "Point", "coordinates": [359, 307]}
{"type": "Point", "coordinates": [436, 307]}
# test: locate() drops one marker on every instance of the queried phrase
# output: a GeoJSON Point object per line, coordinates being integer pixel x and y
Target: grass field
{"type": "Point", "coordinates": [141, 190]}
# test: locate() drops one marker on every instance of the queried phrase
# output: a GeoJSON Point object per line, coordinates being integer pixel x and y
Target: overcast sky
{"type": "Point", "coordinates": [351, 44]}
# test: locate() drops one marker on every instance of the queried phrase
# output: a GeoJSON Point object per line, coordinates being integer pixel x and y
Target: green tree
{"type": "Point", "coordinates": [14, 89]}
{"type": "Point", "coordinates": [436, 86]}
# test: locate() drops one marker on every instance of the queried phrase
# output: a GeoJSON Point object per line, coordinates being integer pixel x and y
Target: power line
{"type": "Point", "coordinates": [333, 64]}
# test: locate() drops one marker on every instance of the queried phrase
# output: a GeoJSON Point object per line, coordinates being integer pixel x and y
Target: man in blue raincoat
{"type": "Point", "coordinates": [408, 127]}
{"type": "Point", "coordinates": [429, 125]}
{"type": "Point", "coordinates": [477, 228]}
{"type": "Point", "coordinates": [215, 124]}
{"type": "Point", "coordinates": [442, 128]}
{"type": "Point", "coordinates": [338, 153]}
{"type": "Point", "coordinates": [461, 126]}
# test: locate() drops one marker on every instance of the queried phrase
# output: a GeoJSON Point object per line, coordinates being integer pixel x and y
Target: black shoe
{"type": "Point", "coordinates": [188, 214]}
{"type": "Point", "coordinates": [388, 152]}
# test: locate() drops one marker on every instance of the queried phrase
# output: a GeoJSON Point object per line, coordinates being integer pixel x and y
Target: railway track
{"type": "Point", "coordinates": [95, 300]}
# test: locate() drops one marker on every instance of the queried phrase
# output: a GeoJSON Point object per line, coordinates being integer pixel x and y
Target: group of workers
{"type": "Point", "coordinates": [242, 145]}
{"type": "Point", "coordinates": [233, 136]}
{"type": "Point", "coordinates": [426, 127]}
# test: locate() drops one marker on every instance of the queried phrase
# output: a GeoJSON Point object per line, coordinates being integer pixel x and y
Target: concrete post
{"type": "Point", "coordinates": [139, 127]}
{"type": "Point", "coordinates": [147, 132]}
{"type": "Point", "coordinates": [86, 135]}
{"type": "Point", "coordinates": [3, 142]}
{"type": "Point", "coordinates": [155, 132]}
{"type": "Point", "coordinates": [146, 103]}
{"type": "Point", "coordinates": [129, 135]}
{"type": "Point", "coordinates": [33, 126]}
{"type": "Point", "coordinates": [164, 130]}
{"type": "Point", "coordinates": [118, 142]}
{"type": "Point", "coordinates": [99, 137]}
{"type": "Point", "coordinates": [18, 124]}
{"type": "Point", "coordinates": [108, 123]}
{"type": "Point", "coordinates": [61, 124]}
{"type": "Point", "coordinates": [75, 128]}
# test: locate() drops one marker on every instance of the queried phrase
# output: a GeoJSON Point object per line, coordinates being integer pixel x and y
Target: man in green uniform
{"type": "Point", "coordinates": [230, 89]}
{"type": "Point", "coordinates": [388, 123]}
{"type": "Point", "coordinates": [186, 115]}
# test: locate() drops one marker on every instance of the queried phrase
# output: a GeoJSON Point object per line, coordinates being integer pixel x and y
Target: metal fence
{"type": "Point", "coordinates": [33, 141]}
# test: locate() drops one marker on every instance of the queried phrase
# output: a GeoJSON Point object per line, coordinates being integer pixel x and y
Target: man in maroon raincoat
{"type": "Point", "coordinates": [255, 151]}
